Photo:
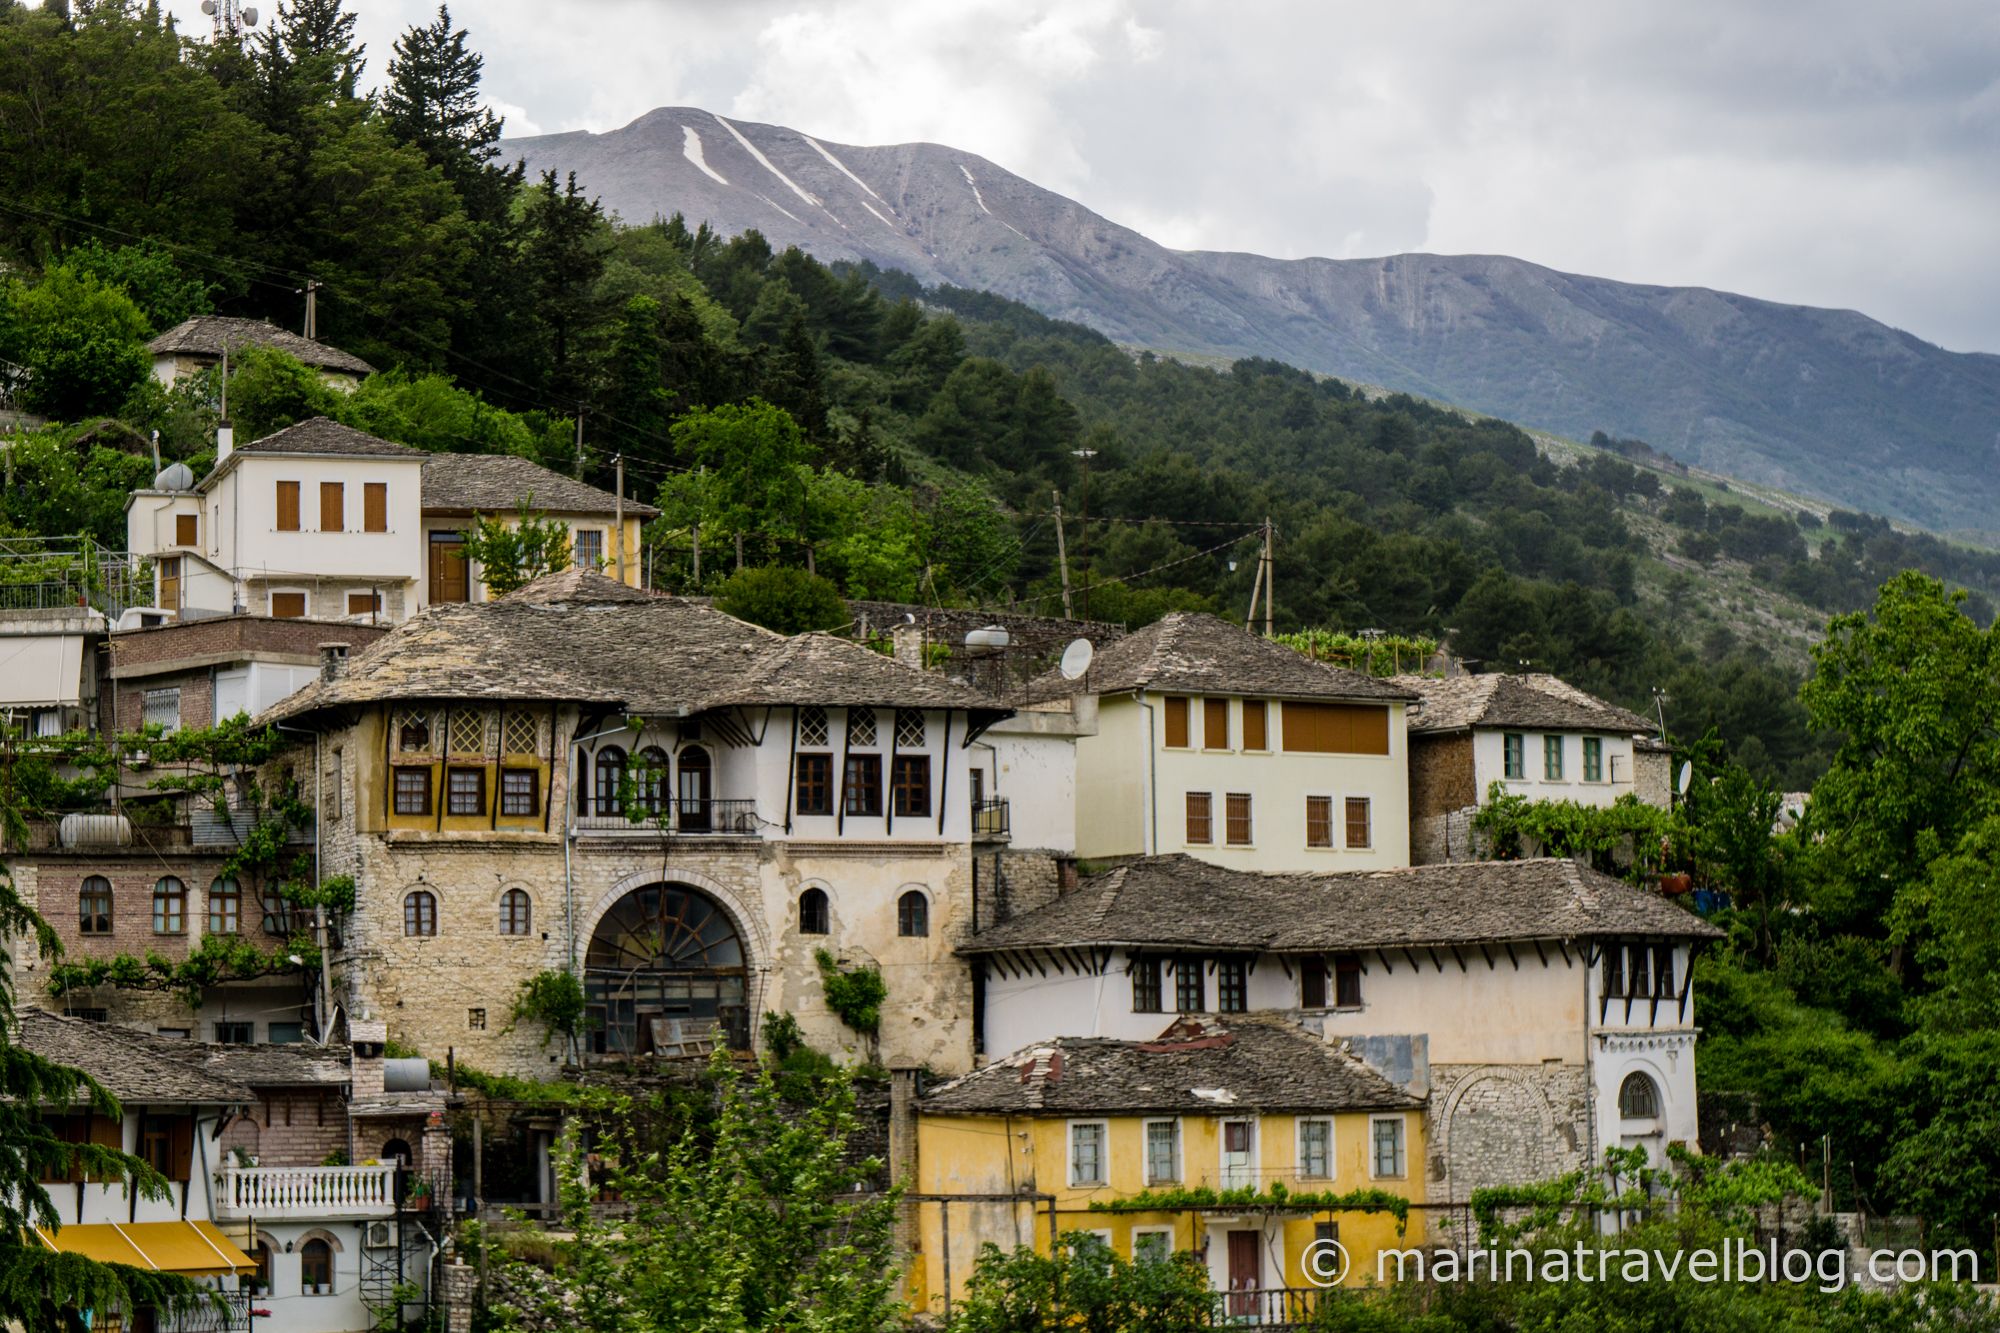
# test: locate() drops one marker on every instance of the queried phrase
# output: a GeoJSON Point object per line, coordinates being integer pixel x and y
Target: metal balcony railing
{"type": "Point", "coordinates": [991, 818]}
{"type": "Point", "coordinates": [688, 818]}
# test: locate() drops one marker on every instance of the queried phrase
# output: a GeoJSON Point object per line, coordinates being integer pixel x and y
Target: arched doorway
{"type": "Point", "coordinates": [665, 968]}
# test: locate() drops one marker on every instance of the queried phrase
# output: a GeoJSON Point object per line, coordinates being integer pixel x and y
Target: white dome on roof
{"type": "Point", "coordinates": [174, 477]}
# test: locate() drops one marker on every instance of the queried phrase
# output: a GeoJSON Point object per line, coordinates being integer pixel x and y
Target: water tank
{"type": "Point", "coordinates": [81, 830]}
{"type": "Point", "coordinates": [174, 477]}
{"type": "Point", "coordinates": [406, 1075]}
{"type": "Point", "coordinates": [990, 639]}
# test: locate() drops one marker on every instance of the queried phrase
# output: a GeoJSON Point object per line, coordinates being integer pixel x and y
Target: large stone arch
{"type": "Point", "coordinates": [1497, 1127]}
{"type": "Point", "coordinates": [712, 964]}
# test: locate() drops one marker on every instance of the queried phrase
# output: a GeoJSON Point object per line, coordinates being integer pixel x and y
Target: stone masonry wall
{"type": "Point", "coordinates": [1504, 1124]}
{"type": "Point", "coordinates": [1443, 793]}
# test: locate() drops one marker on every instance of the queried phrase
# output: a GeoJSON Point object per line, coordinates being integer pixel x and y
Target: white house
{"type": "Point", "coordinates": [194, 345]}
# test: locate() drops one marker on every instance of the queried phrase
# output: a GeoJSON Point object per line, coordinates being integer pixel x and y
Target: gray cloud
{"type": "Point", "coordinates": [1840, 154]}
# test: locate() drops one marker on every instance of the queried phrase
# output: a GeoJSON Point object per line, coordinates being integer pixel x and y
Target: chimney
{"type": "Point", "coordinates": [332, 661]}
{"type": "Point", "coordinates": [369, 1037]}
{"type": "Point", "coordinates": [225, 441]}
{"type": "Point", "coordinates": [909, 643]}
{"type": "Point", "coordinates": [903, 1148]}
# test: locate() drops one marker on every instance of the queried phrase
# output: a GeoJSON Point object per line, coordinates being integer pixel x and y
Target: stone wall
{"type": "Point", "coordinates": [219, 639]}
{"type": "Point", "coordinates": [1444, 794]}
{"type": "Point", "coordinates": [290, 1127]}
{"type": "Point", "coordinates": [1503, 1125]}
{"type": "Point", "coordinates": [1653, 775]}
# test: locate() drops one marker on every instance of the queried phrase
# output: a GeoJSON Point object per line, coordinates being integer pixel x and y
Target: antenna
{"type": "Point", "coordinates": [1076, 659]}
{"type": "Point", "coordinates": [231, 18]}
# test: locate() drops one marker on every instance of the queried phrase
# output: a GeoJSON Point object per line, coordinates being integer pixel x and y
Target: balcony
{"type": "Point", "coordinates": [682, 818]}
{"type": "Point", "coordinates": [276, 1193]}
{"type": "Point", "coordinates": [990, 819]}
{"type": "Point", "coordinates": [1267, 1307]}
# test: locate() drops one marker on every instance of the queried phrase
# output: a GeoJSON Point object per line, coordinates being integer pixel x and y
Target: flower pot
{"type": "Point", "coordinates": [1676, 883]}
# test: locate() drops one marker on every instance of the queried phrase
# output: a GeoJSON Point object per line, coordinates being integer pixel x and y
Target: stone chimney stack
{"type": "Point", "coordinates": [332, 661]}
{"type": "Point", "coordinates": [369, 1037]}
{"type": "Point", "coordinates": [909, 641]}
{"type": "Point", "coordinates": [903, 1149]}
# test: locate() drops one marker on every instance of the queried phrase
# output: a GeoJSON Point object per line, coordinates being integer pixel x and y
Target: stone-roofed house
{"type": "Point", "coordinates": [1544, 1007]}
{"type": "Point", "coordinates": [1244, 1103]}
{"type": "Point", "coordinates": [1201, 737]}
{"type": "Point", "coordinates": [604, 533]}
{"type": "Point", "coordinates": [1535, 735]}
{"type": "Point", "coordinates": [196, 344]}
{"type": "Point", "coordinates": [682, 806]}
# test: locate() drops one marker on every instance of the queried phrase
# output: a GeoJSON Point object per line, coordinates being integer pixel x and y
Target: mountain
{"type": "Point", "coordinates": [1825, 402]}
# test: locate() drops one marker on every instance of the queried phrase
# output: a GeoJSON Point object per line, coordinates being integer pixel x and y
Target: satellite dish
{"type": "Point", "coordinates": [208, 7]}
{"type": "Point", "coordinates": [1076, 659]}
{"type": "Point", "coordinates": [1686, 776]}
{"type": "Point", "coordinates": [250, 18]}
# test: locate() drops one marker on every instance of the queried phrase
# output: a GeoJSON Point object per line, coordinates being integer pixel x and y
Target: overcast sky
{"type": "Point", "coordinates": [1843, 153]}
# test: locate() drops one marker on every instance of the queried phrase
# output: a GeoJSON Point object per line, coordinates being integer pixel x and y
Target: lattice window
{"type": "Point", "coordinates": [909, 728]}
{"type": "Point", "coordinates": [413, 731]}
{"type": "Point", "coordinates": [522, 733]}
{"type": "Point", "coordinates": [860, 726]}
{"type": "Point", "coordinates": [468, 732]}
{"type": "Point", "coordinates": [813, 729]}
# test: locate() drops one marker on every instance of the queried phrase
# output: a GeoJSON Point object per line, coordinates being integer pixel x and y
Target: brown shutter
{"type": "Point", "coordinates": [1319, 821]}
{"type": "Point", "coordinates": [288, 605]}
{"type": "Point", "coordinates": [184, 529]}
{"type": "Point", "coordinates": [1357, 822]}
{"type": "Point", "coordinates": [1200, 822]}
{"type": "Point", "coordinates": [1215, 724]}
{"type": "Point", "coordinates": [332, 506]}
{"type": "Point", "coordinates": [1256, 735]}
{"type": "Point", "coordinates": [1177, 723]}
{"type": "Point", "coordinates": [1236, 810]}
{"type": "Point", "coordinates": [375, 506]}
{"type": "Point", "coordinates": [288, 506]}
{"type": "Point", "coordinates": [1336, 728]}
{"type": "Point", "coordinates": [180, 1156]}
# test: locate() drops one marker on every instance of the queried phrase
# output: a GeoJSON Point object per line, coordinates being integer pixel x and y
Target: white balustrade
{"type": "Point", "coordinates": [307, 1191]}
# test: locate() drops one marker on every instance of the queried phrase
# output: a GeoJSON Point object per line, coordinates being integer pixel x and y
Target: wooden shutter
{"type": "Point", "coordinates": [1200, 820]}
{"type": "Point", "coordinates": [375, 506]}
{"type": "Point", "coordinates": [332, 506]}
{"type": "Point", "coordinates": [1256, 733]}
{"type": "Point", "coordinates": [288, 506]}
{"type": "Point", "coordinates": [184, 529]}
{"type": "Point", "coordinates": [288, 605]}
{"type": "Point", "coordinates": [180, 1151]}
{"type": "Point", "coordinates": [1336, 728]}
{"type": "Point", "coordinates": [1319, 821]}
{"type": "Point", "coordinates": [1215, 724]}
{"type": "Point", "coordinates": [170, 583]}
{"type": "Point", "coordinates": [1177, 723]}
{"type": "Point", "coordinates": [1236, 812]}
{"type": "Point", "coordinates": [1357, 822]}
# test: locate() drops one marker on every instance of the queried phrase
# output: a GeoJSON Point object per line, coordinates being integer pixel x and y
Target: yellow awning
{"type": "Point", "coordinates": [191, 1249]}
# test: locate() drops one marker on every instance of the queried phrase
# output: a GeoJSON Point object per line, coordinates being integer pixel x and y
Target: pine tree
{"type": "Point", "coordinates": [312, 43]}
{"type": "Point", "coordinates": [432, 102]}
{"type": "Point", "coordinates": [565, 255]}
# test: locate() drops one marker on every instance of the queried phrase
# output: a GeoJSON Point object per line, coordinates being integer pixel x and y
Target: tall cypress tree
{"type": "Point", "coordinates": [432, 102]}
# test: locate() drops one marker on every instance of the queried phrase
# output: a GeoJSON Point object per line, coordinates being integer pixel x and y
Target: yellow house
{"type": "Point", "coordinates": [605, 531]}
{"type": "Point", "coordinates": [1246, 1142]}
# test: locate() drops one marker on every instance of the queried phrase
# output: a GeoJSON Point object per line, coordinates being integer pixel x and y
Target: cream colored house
{"type": "Point", "coordinates": [458, 488]}
{"type": "Point", "coordinates": [194, 345]}
{"type": "Point", "coordinates": [1212, 741]}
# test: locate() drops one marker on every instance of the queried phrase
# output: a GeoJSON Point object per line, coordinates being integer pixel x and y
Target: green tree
{"type": "Point", "coordinates": [513, 553]}
{"type": "Point", "coordinates": [82, 341]}
{"type": "Point", "coordinates": [790, 601]}
{"type": "Point", "coordinates": [432, 103]}
{"type": "Point", "coordinates": [636, 401]}
{"type": "Point", "coordinates": [270, 390]}
{"type": "Point", "coordinates": [756, 461]}
{"type": "Point", "coordinates": [165, 293]}
{"type": "Point", "coordinates": [562, 259]}
{"type": "Point", "coordinates": [1084, 1285]}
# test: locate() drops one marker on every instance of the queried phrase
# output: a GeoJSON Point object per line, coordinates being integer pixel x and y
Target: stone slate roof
{"type": "Point", "coordinates": [1530, 702]}
{"type": "Point", "coordinates": [1204, 655]}
{"type": "Point", "coordinates": [580, 637]}
{"type": "Point", "coordinates": [499, 483]}
{"type": "Point", "coordinates": [1199, 1066]}
{"type": "Point", "coordinates": [139, 1069]}
{"type": "Point", "coordinates": [286, 1065]}
{"type": "Point", "coordinates": [1177, 902]}
{"type": "Point", "coordinates": [207, 335]}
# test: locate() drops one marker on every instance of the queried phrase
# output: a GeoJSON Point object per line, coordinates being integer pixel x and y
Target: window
{"type": "Point", "coordinates": [235, 1034]}
{"type": "Point", "coordinates": [520, 733]}
{"type": "Point", "coordinates": [517, 912]}
{"type": "Point", "coordinates": [1200, 824]}
{"type": "Point", "coordinates": [1358, 838]}
{"type": "Point", "coordinates": [1256, 725]}
{"type": "Point", "coordinates": [332, 506]}
{"type": "Point", "coordinates": [1145, 985]}
{"type": "Point", "coordinates": [1319, 821]}
{"type": "Point", "coordinates": [909, 728]}
{"type": "Point", "coordinates": [420, 913]}
{"type": "Point", "coordinates": [1215, 724]}
{"type": "Point", "coordinates": [814, 912]}
{"type": "Point", "coordinates": [467, 732]}
{"type": "Point", "coordinates": [1638, 1098]}
{"type": "Point", "coordinates": [590, 548]}
{"type": "Point", "coordinates": [697, 788]}
{"type": "Point", "coordinates": [475, 1020]}
{"type": "Point", "coordinates": [364, 604]}
{"type": "Point", "coordinates": [913, 914]}
{"type": "Point", "coordinates": [1514, 754]}
{"type": "Point", "coordinates": [413, 733]}
{"type": "Point", "coordinates": [913, 784]}
{"type": "Point", "coordinates": [1238, 1154]}
{"type": "Point", "coordinates": [260, 1254]}
{"type": "Point", "coordinates": [170, 907]}
{"type": "Point", "coordinates": [1386, 1145]}
{"type": "Point", "coordinates": [225, 907]}
{"type": "Point", "coordinates": [163, 710]}
{"type": "Point", "coordinates": [814, 787]}
{"type": "Point", "coordinates": [93, 906]}
{"type": "Point", "coordinates": [1593, 759]}
{"type": "Point", "coordinates": [1316, 1149]}
{"type": "Point", "coordinates": [465, 791]}
{"type": "Point", "coordinates": [284, 1034]}
{"type": "Point", "coordinates": [288, 606]}
{"type": "Point", "coordinates": [520, 792]}
{"type": "Point", "coordinates": [1086, 1152]}
{"type": "Point", "coordinates": [333, 788]}
{"type": "Point", "coordinates": [861, 794]}
{"type": "Point", "coordinates": [1347, 981]}
{"type": "Point", "coordinates": [375, 506]}
{"type": "Point", "coordinates": [288, 506]}
{"type": "Point", "coordinates": [1335, 728]}
{"type": "Point", "coordinates": [1637, 972]}
{"type": "Point", "coordinates": [1177, 723]}
{"type": "Point", "coordinates": [1663, 971]}
{"type": "Point", "coordinates": [813, 729]}
{"type": "Point", "coordinates": [860, 726]}
{"type": "Point", "coordinates": [1236, 818]}
{"type": "Point", "coordinates": [413, 791]}
{"type": "Point", "coordinates": [184, 530]}
{"type": "Point", "coordinates": [610, 781]}
{"type": "Point", "coordinates": [1152, 1245]}
{"type": "Point", "coordinates": [1312, 983]}
{"type": "Point", "coordinates": [1552, 758]}
{"type": "Point", "coordinates": [1163, 1151]}
{"type": "Point", "coordinates": [1614, 971]}
{"type": "Point", "coordinates": [316, 1268]}
{"type": "Point", "coordinates": [48, 722]}
{"type": "Point", "coordinates": [652, 772]}
{"type": "Point", "coordinates": [1190, 993]}
{"type": "Point", "coordinates": [1232, 986]}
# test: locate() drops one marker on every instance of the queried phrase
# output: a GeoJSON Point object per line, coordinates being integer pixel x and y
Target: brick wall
{"type": "Point", "coordinates": [291, 1127]}
{"type": "Point", "coordinates": [197, 702]}
{"type": "Point", "coordinates": [236, 636]}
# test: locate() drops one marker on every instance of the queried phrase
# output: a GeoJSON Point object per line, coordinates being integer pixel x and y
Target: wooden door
{"type": "Point", "coordinates": [448, 573]}
{"type": "Point", "coordinates": [170, 583]}
{"type": "Point", "coordinates": [1245, 1270]}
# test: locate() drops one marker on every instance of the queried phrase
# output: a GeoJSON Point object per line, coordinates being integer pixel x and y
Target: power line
{"type": "Point", "coordinates": [1127, 578]}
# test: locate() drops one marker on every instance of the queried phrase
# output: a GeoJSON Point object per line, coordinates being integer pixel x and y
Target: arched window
{"type": "Point", "coordinates": [517, 912]}
{"type": "Point", "coordinates": [170, 898]}
{"type": "Point", "coordinates": [225, 907]}
{"type": "Point", "coordinates": [316, 1268]}
{"type": "Point", "coordinates": [1639, 1098]}
{"type": "Point", "coordinates": [913, 914]}
{"type": "Point", "coordinates": [93, 906]}
{"type": "Point", "coordinates": [397, 1151]}
{"type": "Point", "coordinates": [610, 781]}
{"type": "Point", "coordinates": [696, 789]}
{"type": "Point", "coordinates": [420, 913]}
{"type": "Point", "coordinates": [650, 771]}
{"type": "Point", "coordinates": [813, 912]}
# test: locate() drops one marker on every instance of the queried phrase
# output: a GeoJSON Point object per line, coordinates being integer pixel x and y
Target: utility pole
{"type": "Point", "coordinates": [579, 442]}
{"type": "Point", "coordinates": [312, 309]}
{"type": "Point", "coordinates": [1084, 518]}
{"type": "Point", "coordinates": [618, 533]}
{"type": "Point", "coordinates": [1269, 570]}
{"type": "Point", "coordinates": [1256, 586]}
{"type": "Point", "coordinates": [1062, 556]}
{"type": "Point", "coordinates": [701, 485]}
